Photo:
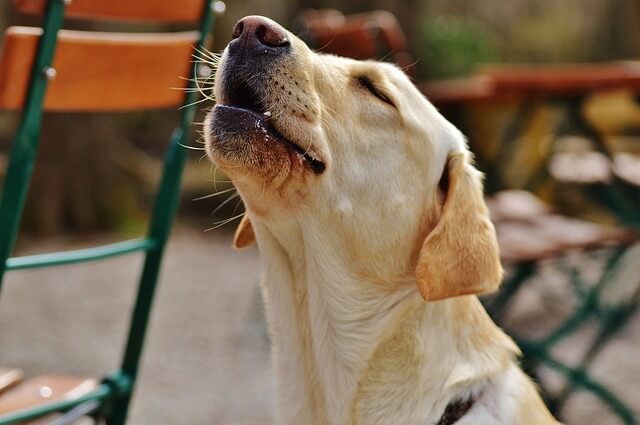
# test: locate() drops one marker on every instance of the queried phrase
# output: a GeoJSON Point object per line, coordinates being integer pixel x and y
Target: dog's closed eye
{"type": "Point", "coordinates": [366, 83]}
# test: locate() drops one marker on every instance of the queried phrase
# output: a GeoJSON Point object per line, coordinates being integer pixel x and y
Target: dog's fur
{"type": "Point", "coordinates": [372, 266]}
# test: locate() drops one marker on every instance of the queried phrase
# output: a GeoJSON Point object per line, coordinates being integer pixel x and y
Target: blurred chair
{"type": "Point", "coordinates": [534, 238]}
{"type": "Point", "coordinates": [606, 178]}
{"type": "Point", "coordinates": [49, 69]}
{"type": "Point", "coordinates": [530, 233]}
{"type": "Point", "coordinates": [569, 88]}
{"type": "Point", "coordinates": [371, 35]}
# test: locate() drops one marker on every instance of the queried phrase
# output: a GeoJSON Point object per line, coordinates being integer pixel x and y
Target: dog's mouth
{"type": "Point", "coordinates": [242, 99]}
{"type": "Point", "coordinates": [245, 97]}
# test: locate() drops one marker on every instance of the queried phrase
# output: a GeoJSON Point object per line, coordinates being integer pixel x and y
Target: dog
{"type": "Point", "coordinates": [375, 236]}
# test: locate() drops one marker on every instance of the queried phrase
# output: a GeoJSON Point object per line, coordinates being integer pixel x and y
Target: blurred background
{"type": "Point", "coordinates": [546, 92]}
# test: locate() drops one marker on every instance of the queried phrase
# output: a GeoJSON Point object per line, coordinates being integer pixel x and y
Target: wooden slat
{"type": "Point", "coordinates": [43, 389]}
{"type": "Point", "coordinates": [565, 79]}
{"type": "Point", "coordinates": [553, 235]}
{"type": "Point", "coordinates": [100, 71]}
{"type": "Point", "coordinates": [463, 90]}
{"type": "Point", "coordinates": [527, 230]}
{"type": "Point", "coordinates": [134, 10]}
{"type": "Point", "coordinates": [9, 378]}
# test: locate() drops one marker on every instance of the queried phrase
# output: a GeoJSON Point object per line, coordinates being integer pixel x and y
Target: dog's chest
{"type": "Point", "coordinates": [323, 345]}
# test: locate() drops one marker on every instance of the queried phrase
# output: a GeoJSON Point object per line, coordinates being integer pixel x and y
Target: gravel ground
{"type": "Point", "coordinates": [207, 357]}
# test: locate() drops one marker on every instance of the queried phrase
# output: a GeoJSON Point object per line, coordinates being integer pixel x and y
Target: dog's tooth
{"type": "Point", "coordinates": [311, 154]}
{"type": "Point", "coordinates": [267, 114]}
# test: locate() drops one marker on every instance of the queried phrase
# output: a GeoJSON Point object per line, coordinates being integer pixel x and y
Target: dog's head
{"type": "Point", "coordinates": [352, 152]}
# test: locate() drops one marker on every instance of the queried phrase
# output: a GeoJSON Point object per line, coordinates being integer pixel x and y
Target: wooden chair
{"type": "Point", "coordinates": [51, 69]}
{"type": "Point", "coordinates": [368, 35]}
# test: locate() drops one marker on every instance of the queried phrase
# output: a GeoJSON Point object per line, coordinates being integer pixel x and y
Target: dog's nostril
{"type": "Point", "coordinates": [238, 30]}
{"type": "Point", "coordinates": [269, 36]}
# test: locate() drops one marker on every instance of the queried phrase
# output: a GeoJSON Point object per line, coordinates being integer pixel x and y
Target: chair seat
{"type": "Point", "coordinates": [9, 377]}
{"type": "Point", "coordinates": [626, 166]}
{"type": "Point", "coordinates": [580, 167]}
{"type": "Point", "coordinates": [595, 167]}
{"type": "Point", "coordinates": [528, 230]}
{"type": "Point", "coordinates": [43, 389]}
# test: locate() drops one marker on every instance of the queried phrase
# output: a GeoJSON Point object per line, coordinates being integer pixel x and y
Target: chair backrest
{"type": "Point", "coordinates": [100, 71]}
{"type": "Point", "coordinates": [370, 35]}
{"type": "Point", "coordinates": [128, 10]}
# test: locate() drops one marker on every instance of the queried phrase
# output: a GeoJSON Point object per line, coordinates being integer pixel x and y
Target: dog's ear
{"type": "Point", "coordinates": [460, 256]}
{"type": "Point", "coordinates": [244, 236]}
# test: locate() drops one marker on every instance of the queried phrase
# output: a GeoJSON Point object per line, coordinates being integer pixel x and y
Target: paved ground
{"type": "Point", "coordinates": [206, 359]}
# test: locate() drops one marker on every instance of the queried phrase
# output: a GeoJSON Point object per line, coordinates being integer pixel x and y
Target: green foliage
{"type": "Point", "coordinates": [451, 46]}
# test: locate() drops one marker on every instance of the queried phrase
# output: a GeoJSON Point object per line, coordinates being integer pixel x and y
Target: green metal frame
{"type": "Point", "coordinates": [115, 392]}
{"type": "Point", "coordinates": [618, 197]}
{"type": "Point", "coordinates": [590, 307]}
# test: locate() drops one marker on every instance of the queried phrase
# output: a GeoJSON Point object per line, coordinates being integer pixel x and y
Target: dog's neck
{"type": "Point", "coordinates": [328, 324]}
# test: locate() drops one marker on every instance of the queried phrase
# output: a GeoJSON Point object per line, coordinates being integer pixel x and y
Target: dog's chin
{"type": "Point", "coordinates": [241, 140]}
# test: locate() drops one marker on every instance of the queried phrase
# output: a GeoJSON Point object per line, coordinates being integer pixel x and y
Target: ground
{"type": "Point", "coordinates": [207, 355]}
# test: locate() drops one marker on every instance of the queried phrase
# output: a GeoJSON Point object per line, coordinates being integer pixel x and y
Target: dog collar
{"type": "Point", "coordinates": [455, 410]}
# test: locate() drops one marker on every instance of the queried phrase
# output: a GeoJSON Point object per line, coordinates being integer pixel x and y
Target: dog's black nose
{"type": "Point", "coordinates": [260, 35]}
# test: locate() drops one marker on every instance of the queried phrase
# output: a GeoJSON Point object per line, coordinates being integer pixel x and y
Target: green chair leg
{"type": "Point", "coordinates": [164, 212]}
{"type": "Point", "coordinates": [611, 319]}
{"type": "Point", "coordinates": [25, 144]}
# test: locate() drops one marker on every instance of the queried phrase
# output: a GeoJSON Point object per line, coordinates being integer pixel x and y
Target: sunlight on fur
{"type": "Point", "coordinates": [370, 219]}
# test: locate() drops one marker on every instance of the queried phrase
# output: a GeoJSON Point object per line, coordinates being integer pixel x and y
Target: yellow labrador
{"type": "Point", "coordinates": [371, 222]}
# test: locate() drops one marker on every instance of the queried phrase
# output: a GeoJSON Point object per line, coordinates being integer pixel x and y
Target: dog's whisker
{"type": "Point", "coordinates": [192, 79]}
{"type": "Point", "coordinates": [411, 65]}
{"type": "Point", "coordinates": [185, 89]}
{"type": "Point", "coordinates": [193, 148]}
{"type": "Point", "coordinates": [214, 194]}
{"type": "Point", "coordinates": [209, 54]}
{"type": "Point", "coordinates": [204, 99]}
{"type": "Point", "coordinates": [235, 209]}
{"type": "Point", "coordinates": [201, 88]}
{"type": "Point", "coordinates": [204, 66]}
{"type": "Point", "coordinates": [223, 222]}
{"type": "Point", "coordinates": [206, 60]}
{"type": "Point", "coordinates": [218, 181]}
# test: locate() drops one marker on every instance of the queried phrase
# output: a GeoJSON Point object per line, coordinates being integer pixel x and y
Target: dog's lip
{"type": "Point", "coordinates": [265, 122]}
